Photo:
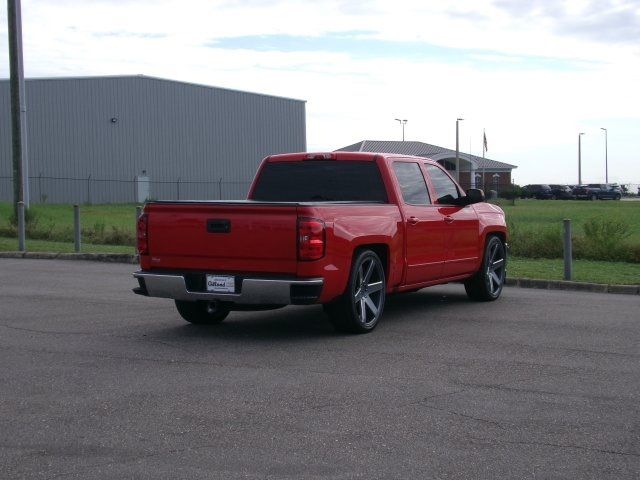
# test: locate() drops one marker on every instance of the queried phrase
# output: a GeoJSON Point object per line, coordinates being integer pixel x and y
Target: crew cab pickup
{"type": "Point", "coordinates": [598, 191]}
{"type": "Point", "coordinates": [340, 229]}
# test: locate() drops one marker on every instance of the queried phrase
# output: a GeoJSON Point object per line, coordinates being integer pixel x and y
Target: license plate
{"type": "Point", "coordinates": [221, 284]}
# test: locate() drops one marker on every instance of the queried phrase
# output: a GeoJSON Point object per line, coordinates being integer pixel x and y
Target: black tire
{"type": "Point", "coordinates": [361, 306]}
{"type": "Point", "coordinates": [617, 197]}
{"type": "Point", "coordinates": [202, 313]}
{"type": "Point", "coordinates": [486, 285]}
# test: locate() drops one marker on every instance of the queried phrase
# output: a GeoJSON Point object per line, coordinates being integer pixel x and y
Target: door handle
{"type": "Point", "coordinates": [448, 219]}
{"type": "Point", "coordinates": [413, 220]}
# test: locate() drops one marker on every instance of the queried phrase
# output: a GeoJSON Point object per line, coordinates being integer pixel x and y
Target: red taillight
{"type": "Point", "coordinates": [142, 234]}
{"type": "Point", "coordinates": [310, 239]}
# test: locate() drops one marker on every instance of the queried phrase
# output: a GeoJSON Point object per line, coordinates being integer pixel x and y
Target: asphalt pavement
{"type": "Point", "coordinates": [96, 382]}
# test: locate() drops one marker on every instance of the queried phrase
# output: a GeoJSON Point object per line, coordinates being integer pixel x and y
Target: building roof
{"type": "Point", "coordinates": [420, 149]}
{"type": "Point", "coordinates": [147, 77]}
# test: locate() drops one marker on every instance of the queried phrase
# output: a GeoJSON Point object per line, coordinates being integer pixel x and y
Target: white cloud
{"type": "Point", "coordinates": [513, 72]}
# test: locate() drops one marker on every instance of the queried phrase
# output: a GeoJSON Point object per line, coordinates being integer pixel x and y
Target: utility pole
{"type": "Point", "coordinates": [580, 158]}
{"type": "Point", "coordinates": [458, 120]}
{"type": "Point", "coordinates": [18, 106]}
{"type": "Point", "coordinates": [606, 156]}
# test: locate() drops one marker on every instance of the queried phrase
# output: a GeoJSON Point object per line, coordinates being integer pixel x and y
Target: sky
{"type": "Point", "coordinates": [532, 74]}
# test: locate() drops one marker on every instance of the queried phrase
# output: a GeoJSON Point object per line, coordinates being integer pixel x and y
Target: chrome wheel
{"type": "Point", "coordinates": [368, 295]}
{"type": "Point", "coordinates": [360, 308]}
{"type": "Point", "coordinates": [486, 285]}
{"type": "Point", "coordinates": [495, 268]}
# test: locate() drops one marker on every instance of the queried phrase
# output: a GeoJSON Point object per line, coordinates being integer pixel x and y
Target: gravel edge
{"type": "Point", "coordinates": [511, 282]}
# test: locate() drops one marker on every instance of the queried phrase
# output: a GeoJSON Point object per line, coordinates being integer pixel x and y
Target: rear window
{"type": "Point", "coordinates": [320, 180]}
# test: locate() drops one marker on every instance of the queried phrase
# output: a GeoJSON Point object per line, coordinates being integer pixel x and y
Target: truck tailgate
{"type": "Point", "coordinates": [223, 236]}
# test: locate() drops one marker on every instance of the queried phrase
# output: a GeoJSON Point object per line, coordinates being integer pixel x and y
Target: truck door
{"type": "Point", "coordinates": [424, 226]}
{"type": "Point", "coordinates": [462, 225]}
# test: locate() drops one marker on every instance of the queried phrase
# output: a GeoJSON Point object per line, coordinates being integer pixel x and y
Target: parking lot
{"type": "Point", "coordinates": [96, 382]}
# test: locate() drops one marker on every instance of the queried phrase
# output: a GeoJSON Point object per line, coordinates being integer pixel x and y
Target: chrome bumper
{"type": "Point", "coordinates": [253, 291]}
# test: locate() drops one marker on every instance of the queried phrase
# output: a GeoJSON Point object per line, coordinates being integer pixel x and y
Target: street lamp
{"type": "Point", "coordinates": [580, 158]}
{"type": "Point", "coordinates": [458, 120]}
{"type": "Point", "coordinates": [606, 155]}
{"type": "Point", "coordinates": [403, 122]}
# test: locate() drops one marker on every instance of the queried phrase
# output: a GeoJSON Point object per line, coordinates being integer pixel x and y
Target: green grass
{"type": "Point", "coordinates": [540, 214]}
{"type": "Point", "coordinates": [11, 245]}
{"type": "Point", "coordinates": [617, 273]}
{"type": "Point", "coordinates": [101, 224]}
{"type": "Point", "coordinates": [530, 219]}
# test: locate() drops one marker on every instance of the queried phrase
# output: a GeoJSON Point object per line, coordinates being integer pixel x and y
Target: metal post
{"type": "Point", "coordinates": [18, 105]}
{"type": "Point", "coordinates": [568, 264]}
{"type": "Point", "coordinates": [580, 158]}
{"type": "Point", "coordinates": [76, 228]}
{"type": "Point", "coordinates": [21, 228]}
{"type": "Point", "coordinates": [220, 189]}
{"type": "Point", "coordinates": [458, 120]}
{"type": "Point", "coordinates": [606, 156]}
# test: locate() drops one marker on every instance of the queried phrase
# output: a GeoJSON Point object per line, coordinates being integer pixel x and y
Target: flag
{"type": "Point", "coordinates": [485, 141]}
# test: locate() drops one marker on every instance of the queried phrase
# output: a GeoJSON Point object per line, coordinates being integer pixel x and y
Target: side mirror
{"type": "Point", "coordinates": [474, 195]}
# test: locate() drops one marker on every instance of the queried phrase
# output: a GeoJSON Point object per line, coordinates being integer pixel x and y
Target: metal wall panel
{"type": "Point", "coordinates": [179, 133]}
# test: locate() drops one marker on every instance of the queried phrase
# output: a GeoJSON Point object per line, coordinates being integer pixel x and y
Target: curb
{"type": "Point", "coordinates": [511, 282]}
{"type": "Point", "coordinates": [573, 286]}
{"type": "Point", "coordinates": [92, 257]}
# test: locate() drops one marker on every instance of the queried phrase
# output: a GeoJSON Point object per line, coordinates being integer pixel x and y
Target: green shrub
{"type": "Point", "coordinates": [535, 243]}
{"type": "Point", "coordinates": [511, 192]}
{"type": "Point", "coordinates": [604, 239]}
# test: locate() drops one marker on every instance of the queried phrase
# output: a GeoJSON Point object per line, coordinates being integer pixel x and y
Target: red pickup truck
{"type": "Point", "coordinates": [340, 229]}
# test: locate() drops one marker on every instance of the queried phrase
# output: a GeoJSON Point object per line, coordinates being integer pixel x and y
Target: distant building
{"type": "Point", "coordinates": [474, 171]}
{"type": "Point", "coordinates": [90, 138]}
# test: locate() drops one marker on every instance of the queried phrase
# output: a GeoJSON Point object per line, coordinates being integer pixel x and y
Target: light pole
{"type": "Point", "coordinates": [606, 155]}
{"type": "Point", "coordinates": [458, 120]}
{"type": "Point", "coordinates": [580, 158]}
{"type": "Point", "coordinates": [403, 122]}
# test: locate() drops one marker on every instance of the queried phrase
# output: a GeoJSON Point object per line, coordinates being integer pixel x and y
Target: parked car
{"type": "Point", "coordinates": [539, 191]}
{"type": "Point", "coordinates": [598, 191]}
{"type": "Point", "coordinates": [340, 229]}
{"type": "Point", "coordinates": [562, 192]}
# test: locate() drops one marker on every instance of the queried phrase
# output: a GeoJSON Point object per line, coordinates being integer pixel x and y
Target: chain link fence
{"type": "Point", "coordinates": [90, 190]}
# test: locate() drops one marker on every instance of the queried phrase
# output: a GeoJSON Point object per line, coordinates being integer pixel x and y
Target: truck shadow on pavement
{"type": "Point", "coordinates": [310, 322]}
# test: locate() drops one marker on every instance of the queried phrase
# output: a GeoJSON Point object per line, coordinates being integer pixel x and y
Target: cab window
{"type": "Point", "coordinates": [445, 190]}
{"type": "Point", "coordinates": [412, 184]}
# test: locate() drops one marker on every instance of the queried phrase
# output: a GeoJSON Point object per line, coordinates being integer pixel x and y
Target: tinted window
{"type": "Point", "coordinates": [320, 180]}
{"type": "Point", "coordinates": [412, 184]}
{"type": "Point", "coordinates": [443, 184]}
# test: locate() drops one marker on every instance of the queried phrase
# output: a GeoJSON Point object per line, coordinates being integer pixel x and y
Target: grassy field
{"type": "Point", "coordinates": [617, 273]}
{"type": "Point", "coordinates": [540, 214]}
{"type": "Point", "coordinates": [101, 224]}
{"type": "Point", "coordinates": [11, 244]}
{"type": "Point", "coordinates": [111, 229]}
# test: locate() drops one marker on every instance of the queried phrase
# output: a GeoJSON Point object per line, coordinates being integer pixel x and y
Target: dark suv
{"type": "Point", "coordinates": [562, 192]}
{"type": "Point", "coordinates": [598, 191]}
{"type": "Point", "coordinates": [539, 191]}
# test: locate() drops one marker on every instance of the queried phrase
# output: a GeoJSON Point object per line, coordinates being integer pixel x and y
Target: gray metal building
{"type": "Point", "coordinates": [90, 138]}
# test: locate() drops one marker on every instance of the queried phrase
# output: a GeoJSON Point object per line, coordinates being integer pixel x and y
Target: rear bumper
{"type": "Point", "coordinates": [251, 291]}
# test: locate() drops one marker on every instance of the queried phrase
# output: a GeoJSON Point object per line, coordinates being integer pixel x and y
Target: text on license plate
{"type": "Point", "coordinates": [221, 284]}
